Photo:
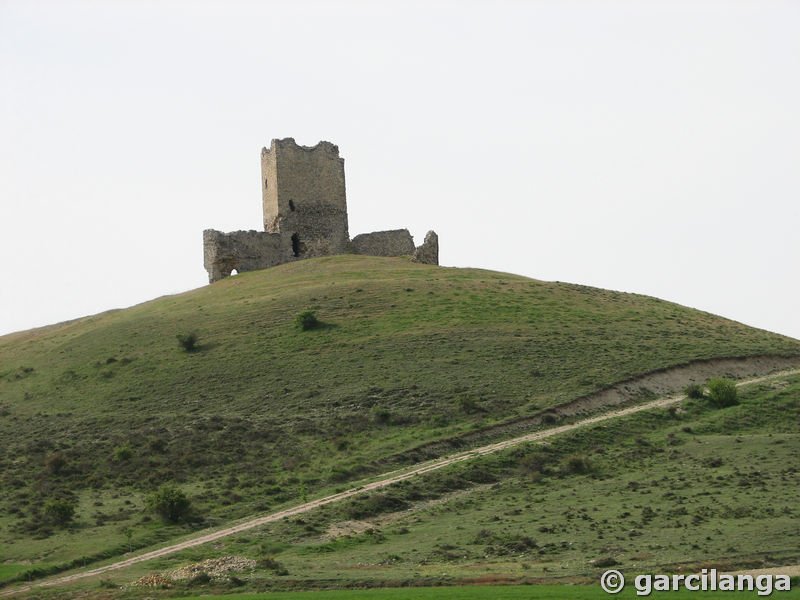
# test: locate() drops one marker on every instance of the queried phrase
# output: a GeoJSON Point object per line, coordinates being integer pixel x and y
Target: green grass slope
{"type": "Point", "coordinates": [659, 491]}
{"type": "Point", "coordinates": [104, 409]}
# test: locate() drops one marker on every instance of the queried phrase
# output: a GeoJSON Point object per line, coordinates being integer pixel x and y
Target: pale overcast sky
{"type": "Point", "coordinates": [643, 146]}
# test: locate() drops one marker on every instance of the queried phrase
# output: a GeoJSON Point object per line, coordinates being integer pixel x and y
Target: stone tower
{"type": "Point", "coordinates": [305, 215]}
{"type": "Point", "coordinates": [304, 198]}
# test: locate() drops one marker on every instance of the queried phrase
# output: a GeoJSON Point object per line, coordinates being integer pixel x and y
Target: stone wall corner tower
{"type": "Point", "coordinates": [303, 191]}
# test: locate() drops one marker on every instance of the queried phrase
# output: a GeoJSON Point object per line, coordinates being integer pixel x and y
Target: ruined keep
{"type": "Point", "coordinates": [305, 215]}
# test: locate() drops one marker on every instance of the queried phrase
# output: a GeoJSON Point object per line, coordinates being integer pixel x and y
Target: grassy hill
{"type": "Point", "coordinates": [102, 410]}
{"type": "Point", "coordinates": [659, 491]}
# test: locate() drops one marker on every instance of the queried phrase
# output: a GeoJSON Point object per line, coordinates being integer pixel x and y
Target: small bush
{"type": "Point", "coordinates": [202, 578]}
{"type": "Point", "coordinates": [123, 453]}
{"type": "Point", "coordinates": [156, 444]}
{"type": "Point", "coordinates": [170, 503]}
{"type": "Point", "coordinates": [59, 512]}
{"type": "Point", "coordinates": [722, 392]}
{"type": "Point", "coordinates": [577, 464]}
{"type": "Point", "coordinates": [694, 390]}
{"type": "Point", "coordinates": [381, 415]}
{"type": "Point", "coordinates": [306, 320]}
{"type": "Point", "coordinates": [604, 561]}
{"type": "Point", "coordinates": [533, 463]}
{"type": "Point", "coordinates": [269, 562]}
{"type": "Point", "coordinates": [55, 462]}
{"type": "Point", "coordinates": [187, 341]}
{"type": "Point", "coordinates": [469, 405]}
{"type": "Point", "coordinates": [375, 504]}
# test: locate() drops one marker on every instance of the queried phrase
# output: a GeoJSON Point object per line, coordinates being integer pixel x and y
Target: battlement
{"type": "Point", "coordinates": [305, 215]}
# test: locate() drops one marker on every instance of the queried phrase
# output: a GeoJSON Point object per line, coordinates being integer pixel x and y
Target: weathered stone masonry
{"type": "Point", "coordinates": [305, 215]}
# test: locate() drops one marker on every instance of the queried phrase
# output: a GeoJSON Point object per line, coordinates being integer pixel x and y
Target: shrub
{"type": "Point", "coordinates": [694, 390]}
{"type": "Point", "coordinates": [306, 320]}
{"type": "Point", "coordinates": [533, 463]}
{"type": "Point", "coordinates": [469, 405]}
{"type": "Point", "coordinates": [55, 462]}
{"type": "Point", "coordinates": [59, 512]}
{"type": "Point", "coordinates": [604, 561]}
{"type": "Point", "coordinates": [375, 504]}
{"type": "Point", "coordinates": [577, 464]}
{"type": "Point", "coordinates": [722, 392]}
{"type": "Point", "coordinates": [269, 562]}
{"type": "Point", "coordinates": [202, 578]}
{"type": "Point", "coordinates": [187, 341]}
{"type": "Point", "coordinates": [123, 453]}
{"type": "Point", "coordinates": [170, 503]}
{"type": "Point", "coordinates": [382, 415]}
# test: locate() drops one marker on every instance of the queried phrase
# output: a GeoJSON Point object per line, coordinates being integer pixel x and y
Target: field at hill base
{"type": "Point", "coordinates": [100, 411]}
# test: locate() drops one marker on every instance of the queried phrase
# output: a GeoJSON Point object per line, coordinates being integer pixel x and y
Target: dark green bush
{"type": "Point", "coordinates": [123, 453]}
{"type": "Point", "coordinates": [375, 504]}
{"type": "Point", "coordinates": [306, 320]}
{"type": "Point", "coordinates": [382, 415]}
{"type": "Point", "coordinates": [577, 464]}
{"type": "Point", "coordinates": [55, 462]}
{"type": "Point", "coordinates": [533, 463]}
{"type": "Point", "coordinates": [469, 405]}
{"type": "Point", "coordinates": [170, 503]}
{"type": "Point", "coordinates": [59, 512]}
{"type": "Point", "coordinates": [694, 390]}
{"type": "Point", "coordinates": [722, 392]}
{"type": "Point", "coordinates": [269, 562]}
{"type": "Point", "coordinates": [202, 578]}
{"type": "Point", "coordinates": [187, 341]}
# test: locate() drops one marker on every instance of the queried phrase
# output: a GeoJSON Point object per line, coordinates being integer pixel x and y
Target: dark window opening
{"type": "Point", "coordinates": [295, 244]}
{"type": "Point", "coordinates": [291, 204]}
{"type": "Point", "coordinates": [266, 184]}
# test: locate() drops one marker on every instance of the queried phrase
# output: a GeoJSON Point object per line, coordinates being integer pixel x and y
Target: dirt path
{"type": "Point", "coordinates": [656, 384]}
{"type": "Point", "coordinates": [385, 480]}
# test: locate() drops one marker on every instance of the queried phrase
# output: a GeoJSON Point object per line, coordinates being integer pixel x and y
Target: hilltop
{"type": "Point", "coordinates": [410, 361]}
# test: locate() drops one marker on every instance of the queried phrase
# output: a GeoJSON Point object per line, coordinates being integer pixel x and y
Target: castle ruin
{"type": "Point", "coordinates": [305, 216]}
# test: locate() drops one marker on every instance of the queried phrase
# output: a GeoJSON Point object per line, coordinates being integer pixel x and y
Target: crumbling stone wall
{"type": "Point", "coordinates": [305, 215]}
{"type": "Point", "coordinates": [397, 242]}
{"type": "Point", "coordinates": [428, 252]}
{"type": "Point", "coordinates": [240, 250]}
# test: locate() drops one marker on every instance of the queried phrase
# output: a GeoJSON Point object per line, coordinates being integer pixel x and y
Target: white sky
{"type": "Point", "coordinates": [643, 146]}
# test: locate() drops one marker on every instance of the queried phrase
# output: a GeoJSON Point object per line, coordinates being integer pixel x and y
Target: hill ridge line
{"type": "Point", "coordinates": [385, 480]}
